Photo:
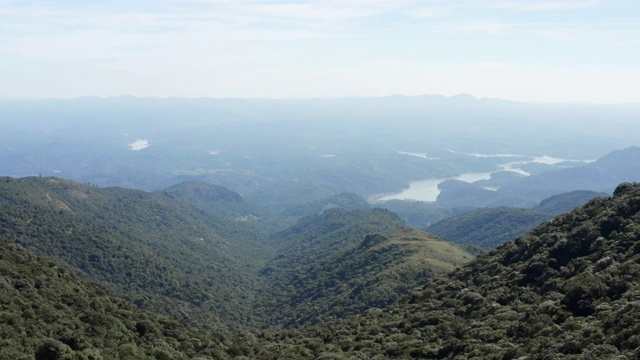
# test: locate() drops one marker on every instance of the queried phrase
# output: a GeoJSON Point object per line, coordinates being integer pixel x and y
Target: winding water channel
{"type": "Point", "coordinates": [427, 189]}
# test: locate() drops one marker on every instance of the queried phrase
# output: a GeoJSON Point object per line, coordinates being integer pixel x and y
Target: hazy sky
{"type": "Point", "coordinates": [564, 50]}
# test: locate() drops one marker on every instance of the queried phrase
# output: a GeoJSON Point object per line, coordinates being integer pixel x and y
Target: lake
{"type": "Point", "coordinates": [427, 190]}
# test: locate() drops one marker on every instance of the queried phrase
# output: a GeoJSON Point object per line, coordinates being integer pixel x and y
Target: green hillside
{"type": "Point", "coordinates": [490, 227]}
{"type": "Point", "coordinates": [284, 194]}
{"type": "Point", "coordinates": [47, 312]}
{"type": "Point", "coordinates": [566, 202]}
{"type": "Point", "coordinates": [567, 290]}
{"type": "Point", "coordinates": [217, 200]}
{"type": "Point", "coordinates": [346, 201]}
{"type": "Point", "coordinates": [317, 236]}
{"type": "Point", "coordinates": [164, 254]}
{"type": "Point", "coordinates": [221, 201]}
{"type": "Point", "coordinates": [153, 249]}
{"type": "Point", "coordinates": [418, 214]}
{"type": "Point", "coordinates": [487, 228]}
{"type": "Point", "coordinates": [373, 271]}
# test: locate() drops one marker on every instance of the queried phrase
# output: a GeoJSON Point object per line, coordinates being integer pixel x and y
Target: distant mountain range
{"type": "Point", "coordinates": [602, 175]}
{"type": "Point", "coordinates": [284, 153]}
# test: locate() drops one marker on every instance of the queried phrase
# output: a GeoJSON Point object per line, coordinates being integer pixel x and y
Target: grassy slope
{"type": "Point", "coordinates": [342, 262]}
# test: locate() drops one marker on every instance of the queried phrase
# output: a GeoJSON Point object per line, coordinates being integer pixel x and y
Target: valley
{"type": "Point", "coordinates": [333, 290]}
{"type": "Point", "coordinates": [217, 268]}
{"type": "Point", "coordinates": [288, 241]}
{"type": "Point", "coordinates": [319, 180]}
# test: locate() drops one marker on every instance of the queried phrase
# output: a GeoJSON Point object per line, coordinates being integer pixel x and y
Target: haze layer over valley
{"type": "Point", "coordinates": [279, 153]}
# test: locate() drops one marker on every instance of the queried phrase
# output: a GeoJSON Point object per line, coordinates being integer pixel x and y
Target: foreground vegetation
{"type": "Point", "coordinates": [47, 312]}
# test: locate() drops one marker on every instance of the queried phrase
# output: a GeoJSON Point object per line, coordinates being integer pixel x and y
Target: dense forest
{"type": "Point", "coordinates": [564, 290]}
{"type": "Point", "coordinates": [489, 227]}
{"type": "Point", "coordinates": [47, 312]}
{"type": "Point", "coordinates": [215, 267]}
{"type": "Point", "coordinates": [153, 249]}
{"type": "Point", "coordinates": [313, 285]}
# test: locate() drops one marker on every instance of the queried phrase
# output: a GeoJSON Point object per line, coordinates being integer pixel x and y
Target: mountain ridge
{"type": "Point", "coordinates": [567, 289]}
{"type": "Point", "coordinates": [165, 254]}
{"type": "Point", "coordinates": [371, 270]}
{"type": "Point", "coordinates": [603, 175]}
{"type": "Point", "coordinates": [157, 251]}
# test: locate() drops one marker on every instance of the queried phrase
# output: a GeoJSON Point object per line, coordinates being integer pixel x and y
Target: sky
{"type": "Point", "coordinates": [539, 51]}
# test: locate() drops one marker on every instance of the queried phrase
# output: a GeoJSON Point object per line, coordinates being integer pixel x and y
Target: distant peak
{"type": "Point", "coordinates": [467, 97]}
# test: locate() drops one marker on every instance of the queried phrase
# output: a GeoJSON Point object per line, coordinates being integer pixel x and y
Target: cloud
{"type": "Point", "coordinates": [532, 6]}
{"type": "Point", "coordinates": [307, 48]}
{"type": "Point", "coordinates": [489, 27]}
{"type": "Point", "coordinates": [315, 11]}
{"type": "Point", "coordinates": [492, 64]}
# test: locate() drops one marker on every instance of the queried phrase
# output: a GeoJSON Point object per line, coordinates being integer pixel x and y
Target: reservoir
{"type": "Point", "coordinates": [427, 190]}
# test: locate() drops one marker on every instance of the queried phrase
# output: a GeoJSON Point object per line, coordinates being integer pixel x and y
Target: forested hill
{"type": "Point", "coordinates": [487, 228]}
{"type": "Point", "coordinates": [368, 271]}
{"type": "Point", "coordinates": [223, 202]}
{"type": "Point", "coordinates": [340, 263]}
{"type": "Point", "coordinates": [166, 255]}
{"type": "Point", "coordinates": [217, 200]}
{"type": "Point", "coordinates": [346, 201]}
{"type": "Point", "coordinates": [47, 312]}
{"type": "Point", "coordinates": [490, 227]}
{"type": "Point", "coordinates": [567, 290]}
{"type": "Point", "coordinates": [563, 203]}
{"type": "Point", "coordinates": [317, 236]}
{"type": "Point", "coordinates": [153, 249]}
